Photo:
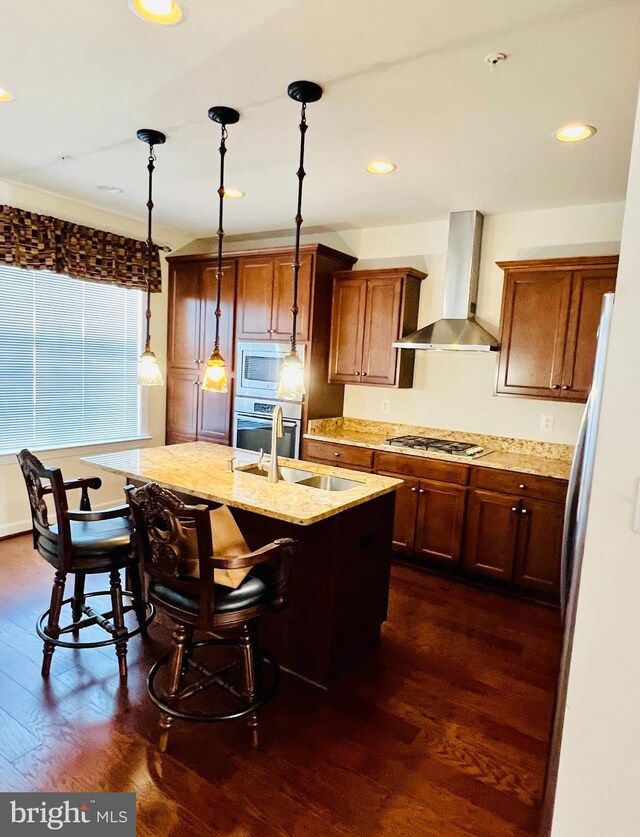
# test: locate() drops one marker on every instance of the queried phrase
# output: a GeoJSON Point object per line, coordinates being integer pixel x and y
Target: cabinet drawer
{"type": "Point", "coordinates": [526, 485]}
{"type": "Point", "coordinates": [338, 454]}
{"type": "Point", "coordinates": [420, 466]}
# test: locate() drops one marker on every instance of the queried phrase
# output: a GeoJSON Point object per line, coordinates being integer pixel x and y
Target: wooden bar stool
{"type": "Point", "coordinates": [83, 543]}
{"type": "Point", "coordinates": [210, 583]}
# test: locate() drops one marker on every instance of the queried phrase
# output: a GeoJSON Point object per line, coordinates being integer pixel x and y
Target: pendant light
{"type": "Point", "coordinates": [215, 373]}
{"type": "Point", "coordinates": [149, 374]}
{"type": "Point", "coordinates": [291, 384]}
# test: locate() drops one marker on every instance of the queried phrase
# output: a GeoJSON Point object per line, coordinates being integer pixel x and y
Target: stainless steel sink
{"type": "Point", "coordinates": [286, 474]}
{"type": "Point", "coordinates": [327, 483]}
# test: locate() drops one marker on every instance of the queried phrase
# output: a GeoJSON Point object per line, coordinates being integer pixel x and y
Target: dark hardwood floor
{"type": "Point", "coordinates": [442, 732]}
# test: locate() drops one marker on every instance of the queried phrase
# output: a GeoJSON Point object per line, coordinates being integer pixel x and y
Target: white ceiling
{"type": "Point", "coordinates": [403, 80]}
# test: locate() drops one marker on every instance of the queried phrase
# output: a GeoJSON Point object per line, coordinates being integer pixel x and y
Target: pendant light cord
{"type": "Point", "coordinates": [218, 311]}
{"type": "Point", "coordinates": [296, 262]}
{"type": "Point", "coordinates": [150, 169]}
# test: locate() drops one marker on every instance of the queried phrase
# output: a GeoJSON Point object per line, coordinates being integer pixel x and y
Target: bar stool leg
{"type": "Point", "coordinates": [53, 623]}
{"type": "Point", "coordinates": [118, 621]}
{"type": "Point", "coordinates": [176, 672]}
{"type": "Point", "coordinates": [78, 597]}
{"type": "Point", "coordinates": [247, 643]}
{"type": "Point", "coordinates": [139, 605]}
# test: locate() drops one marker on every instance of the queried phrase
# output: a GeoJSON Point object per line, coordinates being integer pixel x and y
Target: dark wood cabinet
{"type": "Point", "coordinates": [537, 567]}
{"type": "Point", "coordinates": [550, 314]}
{"type": "Point", "coordinates": [439, 526]}
{"type": "Point", "coordinates": [371, 309]}
{"type": "Point", "coordinates": [481, 523]}
{"type": "Point", "coordinates": [191, 413]}
{"type": "Point", "coordinates": [491, 535]}
{"type": "Point", "coordinates": [265, 295]}
{"type": "Point", "coordinates": [515, 538]}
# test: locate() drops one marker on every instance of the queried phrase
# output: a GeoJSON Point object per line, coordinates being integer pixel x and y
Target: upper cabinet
{"type": "Point", "coordinates": [372, 309]}
{"type": "Point", "coordinates": [550, 314]}
{"type": "Point", "coordinates": [265, 295]}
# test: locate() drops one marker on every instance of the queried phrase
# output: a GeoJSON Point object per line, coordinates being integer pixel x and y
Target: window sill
{"type": "Point", "coordinates": [63, 451]}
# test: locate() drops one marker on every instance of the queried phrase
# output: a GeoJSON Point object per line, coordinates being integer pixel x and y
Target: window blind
{"type": "Point", "coordinates": [68, 360]}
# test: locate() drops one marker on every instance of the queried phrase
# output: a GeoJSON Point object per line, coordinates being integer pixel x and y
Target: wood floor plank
{"type": "Point", "coordinates": [441, 731]}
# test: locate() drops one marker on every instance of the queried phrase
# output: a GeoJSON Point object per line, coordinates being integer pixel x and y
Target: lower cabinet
{"type": "Point", "coordinates": [478, 522]}
{"type": "Point", "coordinates": [514, 539]}
{"type": "Point", "coordinates": [429, 519]}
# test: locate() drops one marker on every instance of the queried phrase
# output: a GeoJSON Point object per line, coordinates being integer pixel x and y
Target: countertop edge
{"type": "Point", "coordinates": [480, 462]}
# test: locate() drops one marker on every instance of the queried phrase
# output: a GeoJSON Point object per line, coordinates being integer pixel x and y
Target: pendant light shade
{"type": "Point", "coordinates": [215, 373]}
{"type": "Point", "coordinates": [149, 373]}
{"type": "Point", "coordinates": [291, 382]}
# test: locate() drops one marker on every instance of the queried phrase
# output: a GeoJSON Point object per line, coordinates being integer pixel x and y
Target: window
{"type": "Point", "coordinates": [68, 361]}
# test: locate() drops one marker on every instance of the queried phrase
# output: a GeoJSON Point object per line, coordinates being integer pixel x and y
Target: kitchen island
{"type": "Point", "coordinates": [339, 581]}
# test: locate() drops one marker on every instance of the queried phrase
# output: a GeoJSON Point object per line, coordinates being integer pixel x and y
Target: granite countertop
{"type": "Point", "coordinates": [521, 455]}
{"type": "Point", "coordinates": [201, 469]}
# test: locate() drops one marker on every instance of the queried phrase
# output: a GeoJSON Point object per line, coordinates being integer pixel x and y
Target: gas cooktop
{"type": "Point", "coordinates": [446, 446]}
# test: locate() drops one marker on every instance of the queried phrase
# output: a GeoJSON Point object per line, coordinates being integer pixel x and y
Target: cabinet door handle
{"type": "Point", "coordinates": [414, 488]}
{"type": "Point", "coordinates": [523, 511]}
{"type": "Point", "coordinates": [522, 486]}
{"type": "Point", "coordinates": [566, 386]}
{"type": "Point", "coordinates": [364, 374]}
{"type": "Point", "coordinates": [195, 383]}
{"type": "Point", "coordinates": [555, 386]}
{"type": "Point", "coordinates": [514, 508]}
{"type": "Point", "coordinates": [195, 360]}
{"type": "Point", "coordinates": [336, 453]}
{"type": "Point", "coordinates": [356, 373]}
{"type": "Point", "coordinates": [421, 491]}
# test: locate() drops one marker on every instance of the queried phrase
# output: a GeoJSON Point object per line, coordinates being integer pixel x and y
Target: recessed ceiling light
{"type": "Point", "coordinates": [164, 12]}
{"type": "Point", "coordinates": [380, 167]}
{"type": "Point", "coordinates": [574, 132]}
{"type": "Point", "coordinates": [233, 193]}
{"type": "Point", "coordinates": [5, 96]}
{"type": "Point", "coordinates": [113, 190]}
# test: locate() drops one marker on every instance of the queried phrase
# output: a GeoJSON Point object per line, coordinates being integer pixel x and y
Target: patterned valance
{"type": "Point", "coordinates": [40, 242]}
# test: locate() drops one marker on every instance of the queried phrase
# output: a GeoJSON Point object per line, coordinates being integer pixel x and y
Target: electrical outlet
{"type": "Point", "coordinates": [385, 405]}
{"type": "Point", "coordinates": [546, 422]}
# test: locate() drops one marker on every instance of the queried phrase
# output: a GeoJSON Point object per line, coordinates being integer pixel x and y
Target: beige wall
{"type": "Point", "coordinates": [599, 780]}
{"type": "Point", "coordinates": [455, 390]}
{"type": "Point", "coordinates": [14, 508]}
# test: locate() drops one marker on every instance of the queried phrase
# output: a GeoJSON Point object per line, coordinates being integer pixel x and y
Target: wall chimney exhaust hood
{"type": "Point", "coordinates": [458, 329]}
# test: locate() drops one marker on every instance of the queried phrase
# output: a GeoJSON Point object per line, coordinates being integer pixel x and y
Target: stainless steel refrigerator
{"type": "Point", "coordinates": [575, 527]}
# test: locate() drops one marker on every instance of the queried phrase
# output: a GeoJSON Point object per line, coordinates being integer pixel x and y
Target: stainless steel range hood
{"type": "Point", "coordinates": [458, 329]}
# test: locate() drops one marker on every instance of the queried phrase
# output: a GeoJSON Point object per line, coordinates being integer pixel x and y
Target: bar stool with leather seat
{"type": "Point", "coordinates": [210, 582]}
{"type": "Point", "coordinates": [83, 542]}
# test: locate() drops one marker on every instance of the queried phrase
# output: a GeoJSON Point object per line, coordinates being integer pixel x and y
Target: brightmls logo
{"type": "Point", "coordinates": [36, 814]}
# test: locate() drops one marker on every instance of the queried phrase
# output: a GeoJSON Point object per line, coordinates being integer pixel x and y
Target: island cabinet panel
{"type": "Point", "coordinates": [550, 314]}
{"type": "Point", "coordinates": [371, 309]}
{"type": "Point", "coordinates": [191, 413]}
{"type": "Point", "coordinates": [491, 534]}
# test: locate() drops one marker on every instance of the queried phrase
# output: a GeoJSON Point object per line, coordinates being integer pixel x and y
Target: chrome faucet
{"type": "Point", "coordinates": [277, 432]}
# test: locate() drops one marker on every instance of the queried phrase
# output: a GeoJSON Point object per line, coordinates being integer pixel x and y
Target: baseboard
{"type": "Point", "coordinates": [19, 527]}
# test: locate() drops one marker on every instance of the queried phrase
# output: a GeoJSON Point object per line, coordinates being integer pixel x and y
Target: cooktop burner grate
{"type": "Point", "coordinates": [437, 445]}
